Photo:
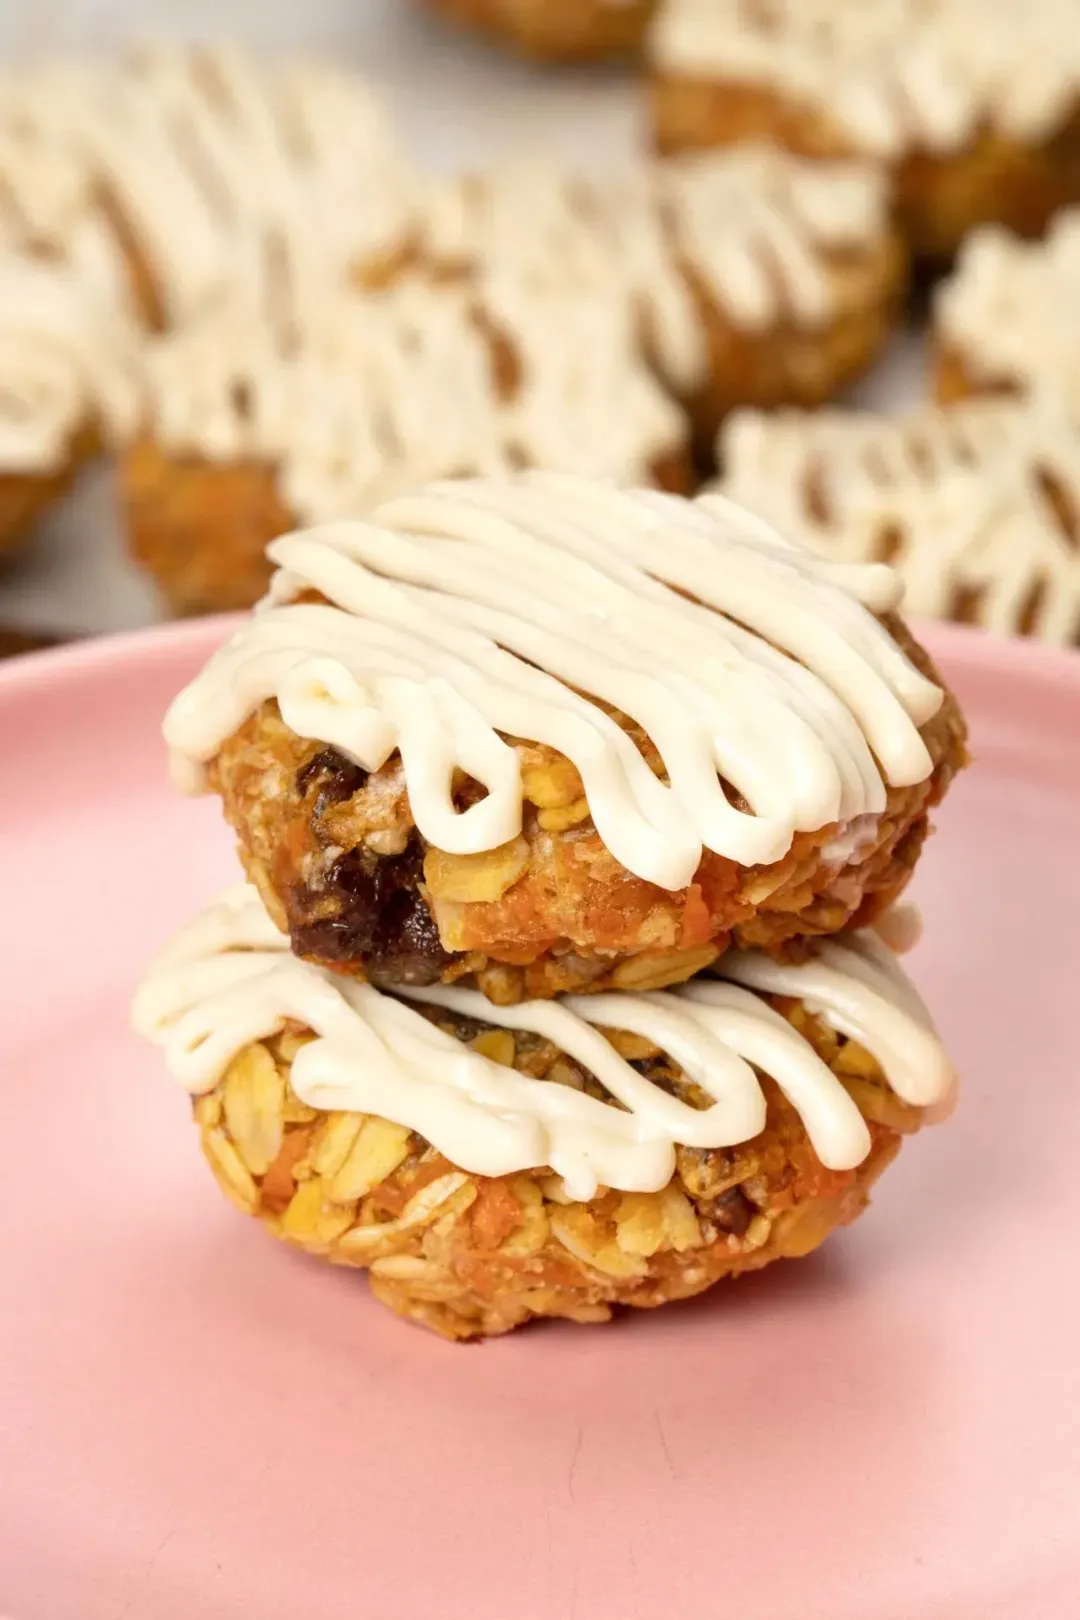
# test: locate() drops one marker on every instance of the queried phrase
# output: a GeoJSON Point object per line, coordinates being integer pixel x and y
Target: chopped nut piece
{"type": "Point", "coordinates": [388, 841]}
{"type": "Point", "coordinates": [639, 1224]}
{"type": "Point", "coordinates": [471, 878]}
{"type": "Point", "coordinates": [553, 785]}
{"type": "Point", "coordinates": [634, 1048]}
{"type": "Point", "coordinates": [564, 1073]}
{"type": "Point", "coordinates": [852, 1058]}
{"type": "Point", "coordinates": [653, 970]}
{"type": "Point", "coordinates": [557, 820]}
{"type": "Point", "coordinates": [579, 1232]}
{"type": "Point", "coordinates": [532, 1234]}
{"type": "Point", "coordinates": [681, 1226]}
{"type": "Point", "coordinates": [496, 1044]}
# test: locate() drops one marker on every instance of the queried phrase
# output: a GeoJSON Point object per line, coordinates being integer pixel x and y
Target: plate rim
{"type": "Point", "coordinates": [48, 665]}
{"type": "Point", "coordinates": [954, 645]}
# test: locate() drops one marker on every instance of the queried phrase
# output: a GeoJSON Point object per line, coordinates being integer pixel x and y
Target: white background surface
{"type": "Point", "coordinates": [457, 103]}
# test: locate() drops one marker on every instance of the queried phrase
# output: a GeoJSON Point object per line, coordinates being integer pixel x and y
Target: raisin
{"type": "Point", "coordinates": [732, 1212]}
{"type": "Point", "coordinates": [377, 919]}
{"type": "Point", "coordinates": [338, 779]}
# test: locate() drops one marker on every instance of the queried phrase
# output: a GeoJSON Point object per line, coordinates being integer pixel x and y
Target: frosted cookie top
{"type": "Point", "coordinates": [531, 607]}
{"type": "Point", "coordinates": [973, 506]}
{"type": "Point", "coordinates": [228, 979]}
{"type": "Point", "coordinates": [892, 74]}
{"type": "Point", "coordinates": [48, 206]}
{"type": "Point", "coordinates": [185, 153]}
{"type": "Point", "coordinates": [67, 362]}
{"type": "Point", "coordinates": [755, 227]}
{"type": "Point", "coordinates": [1011, 311]}
{"type": "Point", "coordinates": [44, 187]}
{"type": "Point", "coordinates": [351, 399]}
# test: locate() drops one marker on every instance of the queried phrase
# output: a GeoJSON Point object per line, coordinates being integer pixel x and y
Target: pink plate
{"type": "Point", "coordinates": [198, 1425]}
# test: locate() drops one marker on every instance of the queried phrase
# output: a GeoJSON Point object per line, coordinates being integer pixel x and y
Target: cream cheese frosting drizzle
{"type": "Point", "coordinates": [1011, 311]}
{"type": "Point", "coordinates": [975, 506]}
{"type": "Point", "coordinates": [229, 979]}
{"type": "Point", "coordinates": [67, 363]}
{"type": "Point", "coordinates": [350, 399]}
{"type": "Point", "coordinates": [892, 75]}
{"type": "Point", "coordinates": [754, 228]}
{"type": "Point", "coordinates": [44, 188]}
{"type": "Point", "coordinates": [201, 156]}
{"type": "Point", "coordinates": [520, 607]}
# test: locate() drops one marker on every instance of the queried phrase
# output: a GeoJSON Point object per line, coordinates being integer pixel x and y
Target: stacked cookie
{"type": "Point", "coordinates": [571, 818]}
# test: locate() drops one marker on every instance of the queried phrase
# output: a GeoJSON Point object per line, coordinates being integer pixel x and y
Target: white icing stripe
{"type": "Point", "coordinates": [204, 157]}
{"type": "Point", "coordinates": [755, 228]}
{"type": "Point", "coordinates": [66, 364]}
{"type": "Point", "coordinates": [1011, 311]}
{"type": "Point", "coordinates": [228, 979]}
{"type": "Point", "coordinates": [477, 608]}
{"type": "Point", "coordinates": [857, 988]}
{"type": "Point", "coordinates": [975, 505]}
{"type": "Point", "coordinates": [346, 398]}
{"type": "Point", "coordinates": [892, 74]}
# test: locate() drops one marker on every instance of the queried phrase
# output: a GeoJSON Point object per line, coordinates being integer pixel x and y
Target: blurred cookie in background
{"type": "Point", "coordinates": [976, 506]}
{"type": "Point", "coordinates": [753, 277]}
{"type": "Point", "coordinates": [67, 384]}
{"type": "Point", "coordinates": [602, 325]}
{"type": "Point", "coordinates": [144, 192]}
{"type": "Point", "coordinates": [555, 30]}
{"type": "Point", "coordinates": [161, 172]}
{"type": "Point", "coordinates": [257, 421]}
{"type": "Point", "coordinates": [1008, 320]}
{"type": "Point", "coordinates": [15, 641]}
{"type": "Point", "coordinates": [972, 105]}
